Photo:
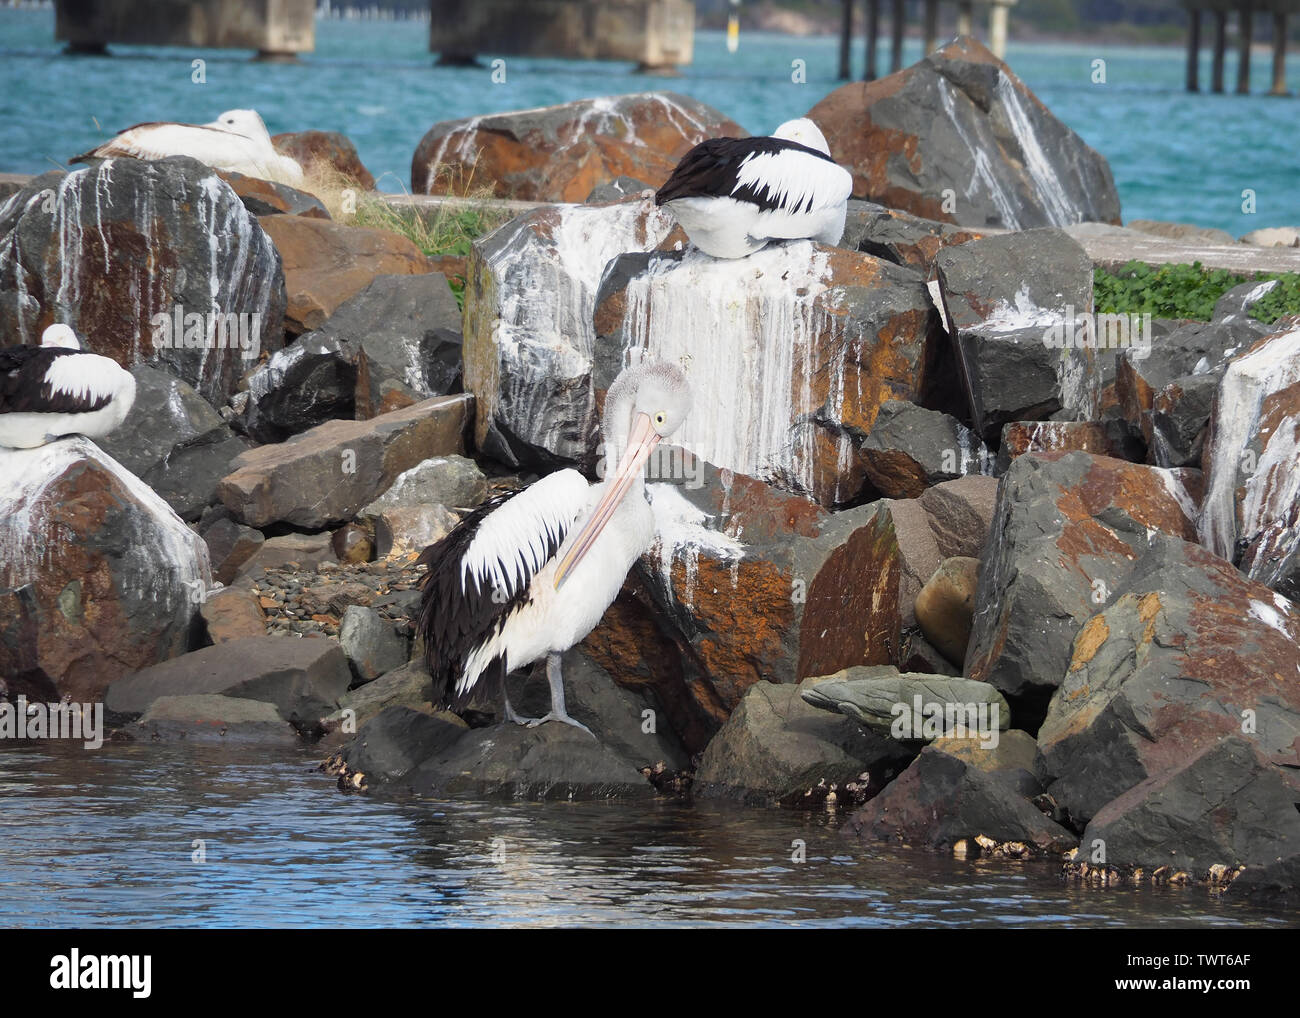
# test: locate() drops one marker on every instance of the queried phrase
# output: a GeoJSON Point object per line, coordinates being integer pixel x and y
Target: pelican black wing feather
{"type": "Point", "coordinates": [24, 389]}
{"type": "Point", "coordinates": [712, 170]}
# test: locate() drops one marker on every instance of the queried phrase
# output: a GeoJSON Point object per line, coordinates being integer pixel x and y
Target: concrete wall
{"type": "Point", "coordinates": [271, 26]}
{"type": "Point", "coordinates": [656, 33]}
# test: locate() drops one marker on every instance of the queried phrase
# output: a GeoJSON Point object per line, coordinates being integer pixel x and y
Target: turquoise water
{"type": "Point", "coordinates": [1174, 156]}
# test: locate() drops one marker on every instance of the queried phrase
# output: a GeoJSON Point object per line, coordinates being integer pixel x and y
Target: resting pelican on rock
{"type": "Point", "coordinates": [55, 389]}
{"type": "Point", "coordinates": [237, 142]}
{"type": "Point", "coordinates": [528, 574]}
{"type": "Point", "coordinates": [733, 196]}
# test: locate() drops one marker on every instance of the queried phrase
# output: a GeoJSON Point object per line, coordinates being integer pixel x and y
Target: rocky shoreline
{"type": "Point", "coordinates": [930, 552]}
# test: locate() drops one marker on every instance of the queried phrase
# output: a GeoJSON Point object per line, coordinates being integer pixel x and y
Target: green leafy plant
{"type": "Point", "coordinates": [1186, 291]}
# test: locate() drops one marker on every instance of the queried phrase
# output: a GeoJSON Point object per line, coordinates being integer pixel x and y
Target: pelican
{"type": "Point", "coordinates": [735, 195]}
{"type": "Point", "coordinates": [54, 389]}
{"type": "Point", "coordinates": [237, 142]}
{"type": "Point", "coordinates": [529, 574]}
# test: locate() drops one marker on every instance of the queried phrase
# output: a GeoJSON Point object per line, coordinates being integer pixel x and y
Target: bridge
{"type": "Point", "coordinates": [276, 29]}
{"type": "Point", "coordinates": [1246, 13]}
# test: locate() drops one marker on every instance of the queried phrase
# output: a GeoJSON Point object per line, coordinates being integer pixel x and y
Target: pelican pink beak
{"type": "Point", "coordinates": [641, 442]}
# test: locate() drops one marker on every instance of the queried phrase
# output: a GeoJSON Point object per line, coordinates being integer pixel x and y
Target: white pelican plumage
{"type": "Point", "coordinates": [733, 196]}
{"type": "Point", "coordinates": [237, 142]}
{"type": "Point", "coordinates": [55, 389]}
{"type": "Point", "coordinates": [529, 574]}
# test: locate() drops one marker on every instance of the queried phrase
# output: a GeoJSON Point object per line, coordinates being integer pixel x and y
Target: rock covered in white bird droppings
{"type": "Point", "coordinates": [98, 576]}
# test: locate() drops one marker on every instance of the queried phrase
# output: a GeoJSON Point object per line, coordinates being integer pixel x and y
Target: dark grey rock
{"type": "Point", "coordinates": [372, 645]}
{"type": "Point", "coordinates": [397, 740]}
{"type": "Point", "coordinates": [311, 381]}
{"type": "Point", "coordinates": [230, 545]}
{"type": "Point", "coordinates": [616, 190]}
{"type": "Point", "coordinates": [212, 718]}
{"type": "Point", "coordinates": [910, 449]}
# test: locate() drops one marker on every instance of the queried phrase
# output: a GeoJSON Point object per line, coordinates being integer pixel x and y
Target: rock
{"type": "Point", "coordinates": [775, 748]}
{"type": "Point", "coordinates": [899, 237]}
{"type": "Point", "coordinates": [820, 339]}
{"type": "Point", "coordinates": [1184, 648]}
{"type": "Point", "coordinates": [1067, 530]}
{"type": "Point", "coordinates": [910, 449]}
{"type": "Point", "coordinates": [408, 685]}
{"type": "Point", "coordinates": [1179, 420]}
{"type": "Point", "coordinates": [233, 614]}
{"type": "Point", "coordinates": [174, 441]}
{"type": "Point", "coordinates": [616, 190]}
{"type": "Point", "coordinates": [351, 544]}
{"type": "Point", "coordinates": [1238, 301]}
{"type": "Point", "coordinates": [1186, 232]}
{"type": "Point", "coordinates": [372, 645]}
{"type": "Point", "coordinates": [1015, 305]}
{"type": "Point", "coordinates": [408, 530]}
{"type": "Point", "coordinates": [910, 707]}
{"type": "Point", "coordinates": [957, 137]}
{"type": "Point", "coordinates": [941, 799]}
{"type": "Point", "coordinates": [959, 514]}
{"type": "Point", "coordinates": [212, 718]}
{"type": "Point", "coordinates": [323, 476]}
{"type": "Point", "coordinates": [322, 154]}
{"type": "Point", "coordinates": [560, 153]}
{"type": "Point", "coordinates": [1220, 805]}
{"type": "Point", "coordinates": [270, 197]}
{"type": "Point", "coordinates": [303, 678]}
{"type": "Point", "coordinates": [230, 545]}
{"type": "Point", "coordinates": [945, 605]}
{"type": "Point", "coordinates": [325, 263]}
{"type": "Point", "coordinates": [125, 250]}
{"type": "Point", "coordinates": [919, 655]}
{"type": "Point", "coordinates": [529, 338]}
{"type": "Point", "coordinates": [1251, 514]}
{"type": "Point", "coordinates": [1274, 236]}
{"type": "Point", "coordinates": [1102, 438]}
{"type": "Point", "coordinates": [1014, 757]}
{"type": "Point", "coordinates": [397, 739]}
{"type": "Point", "coordinates": [98, 577]}
{"type": "Point", "coordinates": [445, 480]}
{"type": "Point", "coordinates": [306, 550]}
{"type": "Point", "coordinates": [309, 382]}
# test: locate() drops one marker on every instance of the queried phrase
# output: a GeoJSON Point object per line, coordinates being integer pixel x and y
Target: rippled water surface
{"type": "Point", "coordinates": [1175, 156]}
{"type": "Point", "coordinates": [109, 840]}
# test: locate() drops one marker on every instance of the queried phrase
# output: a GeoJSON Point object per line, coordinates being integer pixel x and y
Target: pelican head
{"type": "Point", "coordinates": [246, 123]}
{"type": "Point", "coordinates": [805, 132]}
{"type": "Point", "coordinates": [60, 336]}
{"type": "Point", "coordinates": [646, 404]}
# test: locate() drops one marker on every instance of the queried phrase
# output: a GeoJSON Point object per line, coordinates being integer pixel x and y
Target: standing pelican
{"type": "Point", "coordinates": [237, 142]}
{"type": "Point", "coordinates": [735, 195]}
{"type": "Point", "coordinates": [529, 574]}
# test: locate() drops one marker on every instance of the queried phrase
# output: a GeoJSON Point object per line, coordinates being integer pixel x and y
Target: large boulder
{"type": "Point", "coordinates": [909, 707]}
{"type": "Point", "coordinates": [1066, 533]}
{"type": "Point", "coordinates": [1188, 652]}
{"type": "Point", "coordinates": [325, 154]}
{"type": "Point", "coordinates": [98, 576]}
{"type": "Point", "coordinates": [325, 263]}
{"type": "Point", "coordinates": [899, 237]}
{"type": "Point", "coordinates": [958, 137]}
{"type": "Point", "coordinates": [150, 262]}
{"type": "Point", "coordinates": [323, 476]}
{"type": "Point", "coordinates": [560, 153]}
{"type": "Point", "coordinates": [1251, 513]}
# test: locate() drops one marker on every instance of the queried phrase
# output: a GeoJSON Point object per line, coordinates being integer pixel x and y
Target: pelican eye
{"type": "Point", "coordinates": [660, 418]}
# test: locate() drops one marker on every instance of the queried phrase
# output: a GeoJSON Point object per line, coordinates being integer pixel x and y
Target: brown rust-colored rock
{"type": "Point", "coordinates": [325, 147]}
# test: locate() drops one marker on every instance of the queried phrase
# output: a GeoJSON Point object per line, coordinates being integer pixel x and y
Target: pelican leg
{"type": "Point", "coordinates": [557, 712]}
{"type": "Point", "coordinates": [510, 711]}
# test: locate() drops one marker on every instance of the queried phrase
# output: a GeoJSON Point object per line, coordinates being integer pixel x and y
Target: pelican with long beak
{"type": "Point", "coordinates": [528, 574]}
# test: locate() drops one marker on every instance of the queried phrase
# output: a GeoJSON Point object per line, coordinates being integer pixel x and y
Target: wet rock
{"type": "Point", "coordinates": [942, 798]}
{"type": "Point", "coordinates": [352, 544]}
{"type": "Point", "coordinates": [1221, 805]}
{"type": "Point", "coordinates": [910, 449]}
{"type": "Point", "coordinates": [325, 263]}
{"type": "Point", "coordinates": [945, 605]}
{"type": "Point", "coordinates": [805, 344]}
{"type": "Point", "coordinates": [1016, 306]}
{"type": "Point", "coordinates": [398, 739]}
{"type": "Point", "coordinates": [1103, 438]}
{"type": "Point", "coordinates": [560, 153]}
{"type": "Point", "coordinates": [1067, 530]}
{"type": "Point", "coordinates": [325, 475]}
{"type": "Point", "coordinates": [309, 382]}
{"type": "Point", "coordinates": [303, 678]}
{"type": "Point", "coordinates": [899, 237]}
{"type": "Point", "coordinates": [321, 153]}
{"type": "Point", "coordinates": [124, 250]}
{"type": "Point", "coordinates": [910, 140]}
{"type": "Point", "coordinates": [371, 644]}
{"type": "Point", "coordinates": [900, 705]}
{"type": "Point", "coordinates": [775, 748]}
{"type": "Point", "coordinates": [98, 576]}
{"type": "Point", "coordinates": [529, 338]}
{"type": "Point", "coordinates": [233, 614]}
{"type": "Point", "coordinates": [206, 717]}
{"type": "Point", "coordinates": [1186, 646]}
{"type": "Point", "coordinates": [1251, 513]}
{"type": "Point", "coordinates": [270, 197]}
{"type": "Point", "coordinates": [174, 441]}
{"type": "Point", "coordinates": [408, 685]}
